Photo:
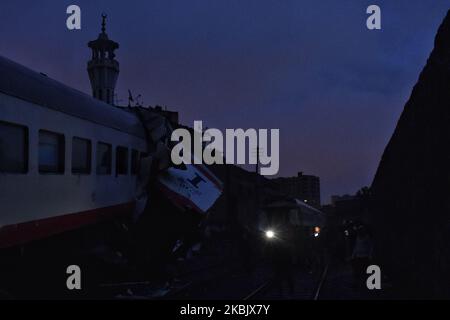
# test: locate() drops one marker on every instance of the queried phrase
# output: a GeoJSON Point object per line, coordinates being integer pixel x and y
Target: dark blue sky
{"type": "Point", "coordinates": [310, 68]}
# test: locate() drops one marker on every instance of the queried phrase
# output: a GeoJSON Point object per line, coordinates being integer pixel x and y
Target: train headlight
{"type": "Point", "coordinates": [316, 231]}
{"type": "Point", "coordinates": [270, 234]}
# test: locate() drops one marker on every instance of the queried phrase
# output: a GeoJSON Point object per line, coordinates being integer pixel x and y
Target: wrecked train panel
{"type": "Point", "coordinates": [194, 188]}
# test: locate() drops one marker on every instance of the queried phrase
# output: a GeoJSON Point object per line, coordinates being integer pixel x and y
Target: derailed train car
{"type": "Point", "coordinates": [69, 162]}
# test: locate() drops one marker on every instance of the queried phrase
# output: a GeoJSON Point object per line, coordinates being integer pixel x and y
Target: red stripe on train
{"type": "Point", "coordinates": [22, 233]}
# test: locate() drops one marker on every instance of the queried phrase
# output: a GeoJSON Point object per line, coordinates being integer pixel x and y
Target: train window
{"type": "Point", "coordinates": [81, 156]}
{"type": "Point", "coordinates": [13, 148]}
{"type": "Point", "coordinates": [134, 161]}
{"type": "Point", "coordinates": [104, 158]}
{"type": "Point", "coordinates": [51, 152]}
{"type": "Point", "coordinates": [121, 160]}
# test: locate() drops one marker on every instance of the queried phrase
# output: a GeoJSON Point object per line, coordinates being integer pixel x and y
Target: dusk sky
{"type": "Point", "coordinates": [310, 68]}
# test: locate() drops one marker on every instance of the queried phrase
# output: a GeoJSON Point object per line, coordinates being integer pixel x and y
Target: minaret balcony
{"type": "Point", "coordinates": [102, 63]}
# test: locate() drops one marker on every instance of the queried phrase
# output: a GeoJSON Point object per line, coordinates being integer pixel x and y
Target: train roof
{"type": "Point", "coordinates": [21, 82]}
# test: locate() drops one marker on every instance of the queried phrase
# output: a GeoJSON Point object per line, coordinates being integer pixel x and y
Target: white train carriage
{"type": "Point", "coordinates": [66, 159]}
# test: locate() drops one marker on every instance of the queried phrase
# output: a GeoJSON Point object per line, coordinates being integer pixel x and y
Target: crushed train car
{"type": "Point", "coordinates": [70, 163]}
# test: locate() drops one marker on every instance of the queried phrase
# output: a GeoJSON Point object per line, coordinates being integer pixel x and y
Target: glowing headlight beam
{"type": "Point", "coordinates": [270, 234]}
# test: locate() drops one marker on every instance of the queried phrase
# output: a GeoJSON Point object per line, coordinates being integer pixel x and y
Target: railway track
{"type": "Point", "coordinates": [321, 282]}
{"type": "Point", "coordinates": [212, 286]}
{"type": "Point", "coordinates": [312, 294]}
{"type": "Point", "coordinates": [258, 290]}
{"type": "Point", "coordinates": [181, 282]}
{"type": "Point", "coordinates": [198, 279]}
{"type": "Point", "coordinates": [227, 281]}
